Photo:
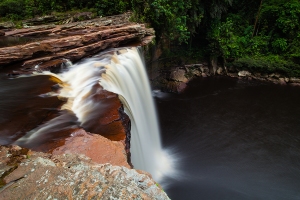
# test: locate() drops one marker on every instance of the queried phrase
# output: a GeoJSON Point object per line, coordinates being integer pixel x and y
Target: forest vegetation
{"type": "Point", "coordinates": [257, 35]}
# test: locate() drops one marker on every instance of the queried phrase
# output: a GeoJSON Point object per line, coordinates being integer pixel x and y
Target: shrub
{"type": "Point", "coordinates": [267, 64]}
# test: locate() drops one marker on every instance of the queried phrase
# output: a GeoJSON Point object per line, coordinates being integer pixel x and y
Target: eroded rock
{"type": "Point", "coordinates": [244, 73]}
{"type": "Point", "coordinates": [179, 75]}
{"type": "Point", "coordinates": [74, 41]}
{"type": "Point", "coordinates": [42, 176]}
{"type": "Point", "coordinates": [96, 147]}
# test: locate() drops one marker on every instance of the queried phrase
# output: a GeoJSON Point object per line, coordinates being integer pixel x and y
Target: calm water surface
{"type": "Point", "coordinates": [233, 140]}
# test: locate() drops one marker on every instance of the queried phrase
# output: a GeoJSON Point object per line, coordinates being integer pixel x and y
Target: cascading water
{"type": "Point", "coordinates": [126, 76]}
{"type": "Point", "coordinates": [120, 71]}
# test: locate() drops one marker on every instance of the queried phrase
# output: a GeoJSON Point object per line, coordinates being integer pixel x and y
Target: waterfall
{"type": "Point", "coordinates": [126, 76]}
{"type": "Point", "coordinates": [120, 71]}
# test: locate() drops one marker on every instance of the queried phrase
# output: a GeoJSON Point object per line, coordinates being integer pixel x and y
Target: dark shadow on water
{"type": "Point", "coordinates": [236, 139]}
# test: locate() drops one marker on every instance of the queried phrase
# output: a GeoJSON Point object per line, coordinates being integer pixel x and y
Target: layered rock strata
{"type": "Point", "coordinates": [74, 41]}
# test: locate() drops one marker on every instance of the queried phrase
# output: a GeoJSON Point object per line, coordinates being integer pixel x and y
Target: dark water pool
{"type": "Point", "coordinates": [233, 140]}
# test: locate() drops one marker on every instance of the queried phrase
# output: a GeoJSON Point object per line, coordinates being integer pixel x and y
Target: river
{"type": "Point", "coordinates": [233, 139]}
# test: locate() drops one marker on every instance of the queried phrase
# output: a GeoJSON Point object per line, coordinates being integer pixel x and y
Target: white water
{"type": "Point", "coordinates": [126, 76]}
{"type": "Point", "coordinates": [120, 71]}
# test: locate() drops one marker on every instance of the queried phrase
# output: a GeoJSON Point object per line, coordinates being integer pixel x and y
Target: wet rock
{"type": "Point", "coordinates": [282, 81]}
{"type": "Point", "coordinates": [244, 73]}
{"type": "Point", "coordinates": [294, 80]}
{"type": "Point", "coordinates": [179, 75]}
{"type": "Point", "coordinates": [96, 147]}
{"type": "Point", "coordinates": [286, 79]}
{"type": "Point", "coordinates": [67, 176]}
{"type": "Point", "coordinates": [2, 33]}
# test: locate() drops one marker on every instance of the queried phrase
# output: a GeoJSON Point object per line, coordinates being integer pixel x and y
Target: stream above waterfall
{"type": "Point", "coordinates": [234, 139]}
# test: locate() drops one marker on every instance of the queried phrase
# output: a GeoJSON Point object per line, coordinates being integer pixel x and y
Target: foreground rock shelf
{"type": "Point", "coordinates": [31, 175]}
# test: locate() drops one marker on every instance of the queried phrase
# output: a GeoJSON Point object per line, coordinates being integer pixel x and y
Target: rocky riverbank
{"type": "Point", "coordinates": [175, 79]}
{"type": "Point", "coordinates": [26, 174]}
{"type": "Point", "coordinates": [52, 44]}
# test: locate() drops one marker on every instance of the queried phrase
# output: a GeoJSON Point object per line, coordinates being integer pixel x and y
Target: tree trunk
{"type": "Point", "coordinates": [257, 16]}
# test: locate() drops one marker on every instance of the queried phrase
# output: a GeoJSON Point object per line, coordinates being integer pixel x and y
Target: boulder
{"type": "Point", "coordinates": [294, 80]}
{"type": "Point", "coordinates": [286, 79]}
{"type": "Point", "coordinates": [179, 75]}
{"type": "Point", "coordinates": [2, 33]}
{"type": "Point", "coordinates": [282, 81]}
{"type": "Point", "coordinates": [244, 73]}
{"type": "Point", "coordinates": [44, 176]}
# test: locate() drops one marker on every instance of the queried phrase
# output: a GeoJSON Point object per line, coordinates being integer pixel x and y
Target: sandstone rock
{"type": "Point", "coordinates": [178, 75]}
{"type": "Point", "coordinates": [96, 147]}
{"type": "Point", "coordinates": [74, 41]}
{"type": "Point", "coordinates": [294, 80]}
{"type": "Point", "coordinates": [282, 81]}
{"type": "Point", "coordinates": [72, 47]}
{"type": "Point", "coordinates": [244, 73]}
{"type": "Point", "coordinates": [42, 176]}
{"type": "Point", "coordinates": [286, 79]}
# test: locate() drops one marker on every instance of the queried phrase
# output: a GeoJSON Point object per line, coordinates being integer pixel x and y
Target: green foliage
{"type": "Point", "coordinates": [111, 7]}
{"type": "Point", "coordinates": [267, 64]}
{"type": "Point", "coordinates": [173, 20]}
{"type": "Point", "coordinates": [20, 9]}
{"type": "Point", "coordinates": [12, 9]}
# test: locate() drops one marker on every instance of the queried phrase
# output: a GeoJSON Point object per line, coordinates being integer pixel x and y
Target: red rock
{"type": "Point", "coordinates": [69, 176]}
{"type": "Point", "coordinates": [96, 147]}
